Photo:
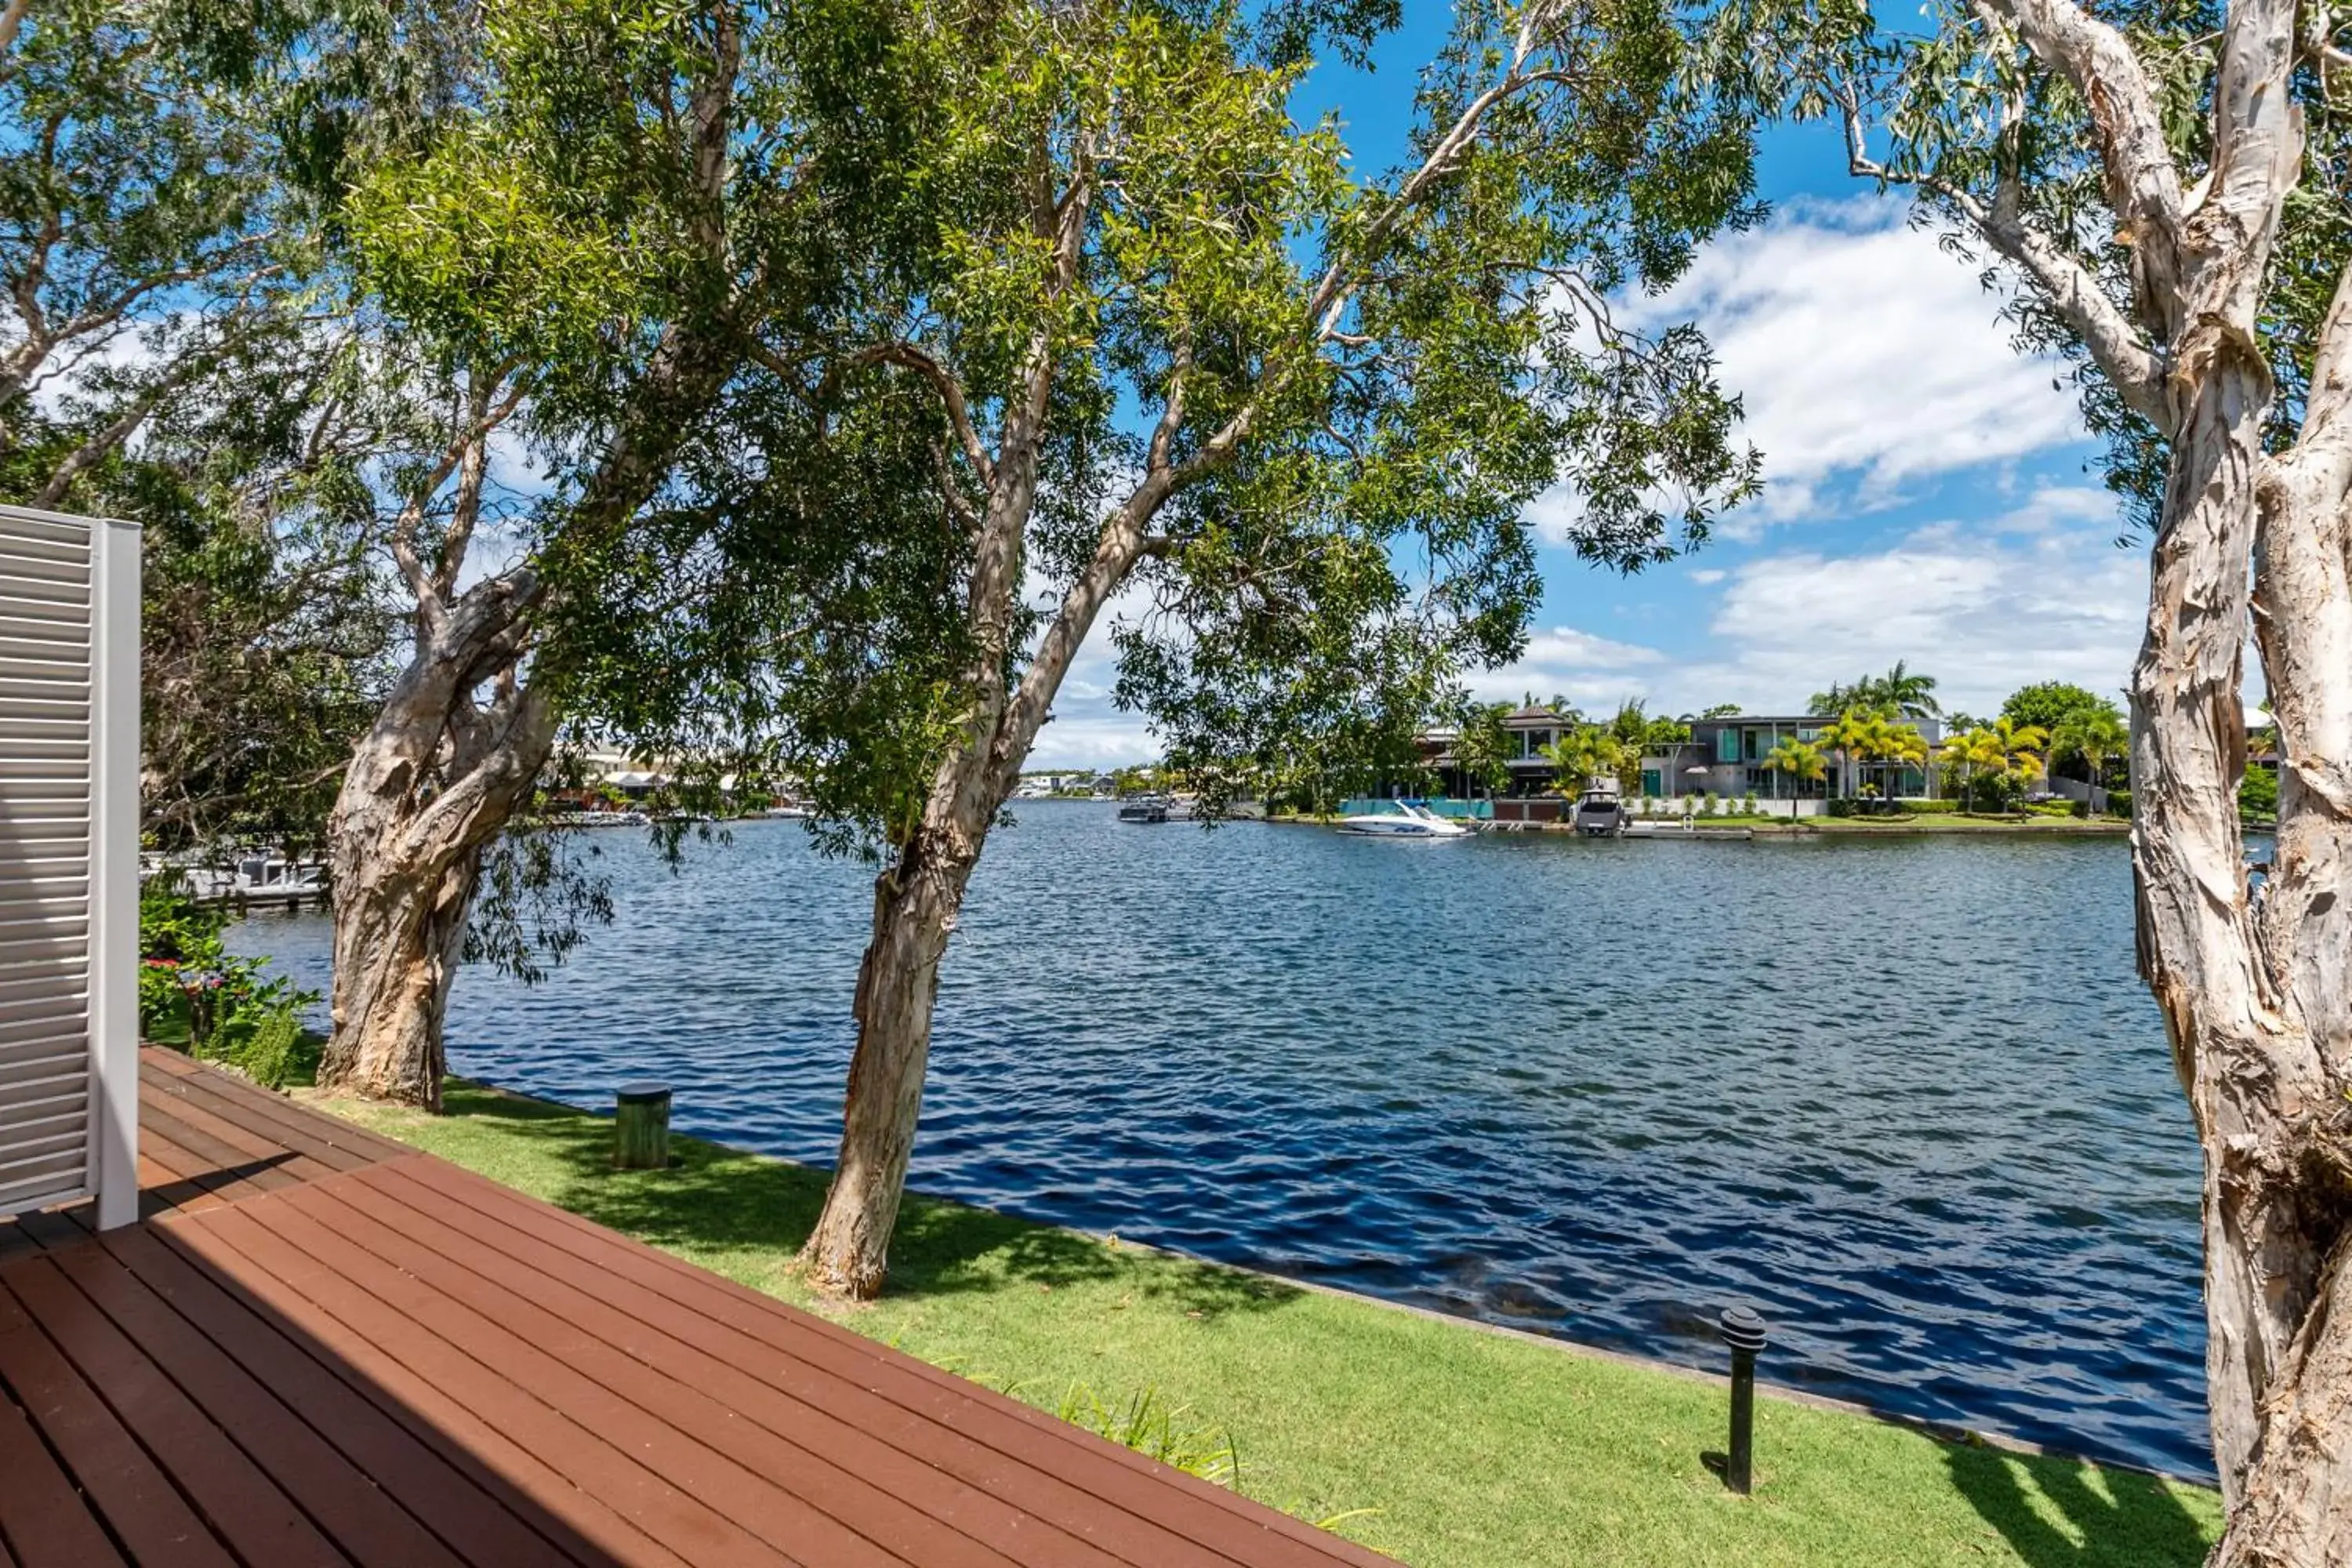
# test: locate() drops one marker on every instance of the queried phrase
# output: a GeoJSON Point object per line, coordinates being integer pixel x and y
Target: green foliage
{"type": "Point", "coordinates": [193, 993]}
{"type": "Point", "coordinates": [1991, 764]}
{"type": "Point", "coordinates": [1587, 753]}
{"type": "Point", "coordinates": [1931, 807]}
{"type": "Point", "coordinates": [538, 893]}
{"type": "Point", "coordinates": [2049, 705]}
{"type": "Point", "coordinates": [2094, 736]}
{"type": "Point", "coordinates": [2258, 793]}
{"type": "Point", "coordinates": [1357, 382]}
{"type": "Point", "coordinates": [165, 297]}
{"type": "Point", "coordinates": [138, 209]}
{"type": "Point", "coordinates": [1900, 693]}
{"type": "Point", "coordinates": [1799, 762]}
{"type": "Point", "coordinates": [1481, 746]}
{"type": "Point", "coordinates": [1151, 1426]}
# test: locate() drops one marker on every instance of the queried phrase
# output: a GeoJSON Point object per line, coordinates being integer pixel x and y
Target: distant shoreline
{"type": "Point", "coordinates": [1809, 826]}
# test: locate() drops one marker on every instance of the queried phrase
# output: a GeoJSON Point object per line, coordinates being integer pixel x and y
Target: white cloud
{"type": "Point", "coordinates": [1866, 356]}
{"type": "Point", "coordinates": [1708, 576]}
{"type": "Point", "coordinates": [2038, 593]}
{"type": "Point", "coordinates": [1087, 730]}
{"type": "Point", "coordinates": [1589, 671]}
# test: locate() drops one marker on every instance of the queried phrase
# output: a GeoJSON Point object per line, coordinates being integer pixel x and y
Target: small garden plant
{"type": "Point", "coordinates": [195, 994]}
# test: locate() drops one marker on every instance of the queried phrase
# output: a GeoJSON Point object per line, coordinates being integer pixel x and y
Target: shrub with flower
{"type": "Point", "coordinates": [195, 994]}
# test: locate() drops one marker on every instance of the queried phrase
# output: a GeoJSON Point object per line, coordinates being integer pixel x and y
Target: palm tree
{"type": "Point", "coordinates": [2002, 750]}
{"type": "Point", "coordinates": [1632, 730]}
{"type": "Point", "coordinates": [1910, 695]}
{"type": "Point", "coordinates": [1851, 735]}
{"type": "Point", "coordinates": [1976, 751]}
{"type": "Point", "coordinates": [1798, 760]}
{"type": "Point", "coordinates": [1583, 754]}
{"type": "Point", "coordinates": [2022, 746]}
{"type": "Point", "coordinates": [1876, 738]}
{"type": "Point", "coordinates": [2096, 735]}
{"type": "Point", "coordinates": [1909, 748]}
{"type": "Point", "coordinates": [1897, 694]}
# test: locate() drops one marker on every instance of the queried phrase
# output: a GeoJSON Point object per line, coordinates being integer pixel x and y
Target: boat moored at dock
{"type": "Point", "coordinates": [1406, 820]}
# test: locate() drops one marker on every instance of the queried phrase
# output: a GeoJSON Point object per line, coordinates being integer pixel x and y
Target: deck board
{"type": "Point", "coordinates": [320, 1347]}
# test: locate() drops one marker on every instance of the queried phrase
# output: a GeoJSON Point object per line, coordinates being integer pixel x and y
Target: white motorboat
{"type": "Point", "coordinates": [1406, 821]}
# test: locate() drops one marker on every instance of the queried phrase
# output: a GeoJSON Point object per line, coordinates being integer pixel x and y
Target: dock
{"type": "Point", "coordinates": [320, 1346]}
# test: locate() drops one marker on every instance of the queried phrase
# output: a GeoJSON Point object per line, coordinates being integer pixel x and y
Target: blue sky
{"type": "Point", "coordinates": [1930, 495]}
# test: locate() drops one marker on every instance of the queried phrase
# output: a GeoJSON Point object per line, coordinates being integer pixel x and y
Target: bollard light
{"type": "Point", "coordinates": [1743, 1330]}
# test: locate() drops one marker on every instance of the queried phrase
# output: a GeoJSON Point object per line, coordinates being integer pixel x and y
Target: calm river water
{"type": "Point", "coordinates": [1903, 1096]}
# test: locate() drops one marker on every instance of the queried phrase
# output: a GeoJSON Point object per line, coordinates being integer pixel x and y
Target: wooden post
{"type": "Point", "coordinates": [641, 1126]}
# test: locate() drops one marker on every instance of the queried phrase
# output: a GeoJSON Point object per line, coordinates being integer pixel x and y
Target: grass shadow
{"type": "Point", "coordinates": [716, 1199]}
{"type": "Point", "coordinates": [2111, 1518]}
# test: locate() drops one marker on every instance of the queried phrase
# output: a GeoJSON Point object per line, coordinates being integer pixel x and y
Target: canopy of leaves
{"type": "Point", "coordinates": [1358, 386]}
{"type": "Point", "coordinates": [2048, 705]}
{"type": "Point", "coordinates": [1900, 693]}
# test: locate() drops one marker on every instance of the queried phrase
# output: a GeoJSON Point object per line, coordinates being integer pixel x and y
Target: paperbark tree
{"type": "Point", "coordinates": [513, 241]}
{"type": "Point", "coordinates": [1320, 502]}
{"type": "Point", "coordinates": [2167, 188]}
{"type": "Point", "coordinates": [143, 243]}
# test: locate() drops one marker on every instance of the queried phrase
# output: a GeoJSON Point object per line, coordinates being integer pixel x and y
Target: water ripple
{"type": "Point", "coordinates": [1907, 1096]}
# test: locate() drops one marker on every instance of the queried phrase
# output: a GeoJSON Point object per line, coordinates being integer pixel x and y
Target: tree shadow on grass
{"type": "Point", "coordinates": [717, 1199]}
{"type": "Point", "coordinates": [2124, 1520]}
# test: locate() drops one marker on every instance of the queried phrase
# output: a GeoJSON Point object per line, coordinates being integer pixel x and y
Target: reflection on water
{"type": "Point", "coordinates": [1905, 1096]}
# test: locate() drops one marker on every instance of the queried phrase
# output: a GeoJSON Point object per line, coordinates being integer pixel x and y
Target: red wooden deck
{"type": "Point", "coordinates": [324, 1348]}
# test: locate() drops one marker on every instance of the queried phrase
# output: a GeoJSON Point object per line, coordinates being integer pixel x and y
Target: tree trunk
{"type": "Point", "coordinates": [430, 785]}
{"type": "Point", "coordinates": [917, 900]}
{"type": "Point", "coordinates": [915, 904]}
{"type": "Point", "coordinates": [2256, 1017]}
{"type": "Point", "coordinates": [398, 939]}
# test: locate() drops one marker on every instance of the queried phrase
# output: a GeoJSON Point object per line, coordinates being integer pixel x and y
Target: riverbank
{"type": "Point", "coordinates": [1442, 1443]}
{"type": "Point", "coordinates": [1805, 826]}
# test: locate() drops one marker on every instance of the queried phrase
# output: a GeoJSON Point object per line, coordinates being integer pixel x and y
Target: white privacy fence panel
{"type": "Point", "coordinates": [69, 861]}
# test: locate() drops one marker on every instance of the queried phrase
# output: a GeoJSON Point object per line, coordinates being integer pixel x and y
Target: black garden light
{"type": "Point", "coordinates": [1743, 1330]}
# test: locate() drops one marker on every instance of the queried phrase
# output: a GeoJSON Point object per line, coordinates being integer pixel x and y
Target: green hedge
{"type": "Point", "coordinates": [1931, 807]}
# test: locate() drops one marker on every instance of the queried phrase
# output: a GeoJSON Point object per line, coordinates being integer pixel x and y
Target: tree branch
{"type": "Point", "coordinates": [2119, 349]}
{"type": "Point", "coordinates": [2328, 404]}
{"type": "Point", "coordinates": [484, 419]}
{"type": "Point", "coordinates": [11, 20]}
{"type": "Point", "coordinates": [1172, 413]}
{"type": "Point", "coordinates": [952, 397]}
{"type": "Point", "coordinates": [2143, 184]}
{"type": "Point", "coordinates": [125, 426]}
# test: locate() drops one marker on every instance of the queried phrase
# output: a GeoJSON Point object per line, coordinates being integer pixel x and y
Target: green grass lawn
{"type": "Point", "coordinates": [1465, 1448]}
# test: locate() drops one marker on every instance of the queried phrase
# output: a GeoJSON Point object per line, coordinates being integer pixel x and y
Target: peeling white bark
{"type": "Point", "coordinates": [433, 783]}
{"type": "Point", "coordinates": [2257, 1003]}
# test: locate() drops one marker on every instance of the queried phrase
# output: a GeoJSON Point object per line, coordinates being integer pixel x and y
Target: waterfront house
{"type": "Point", "coordinates": [1724, 757]}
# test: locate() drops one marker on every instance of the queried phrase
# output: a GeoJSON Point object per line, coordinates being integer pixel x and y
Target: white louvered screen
{"type": "Point", "coordinates": [60, 989]}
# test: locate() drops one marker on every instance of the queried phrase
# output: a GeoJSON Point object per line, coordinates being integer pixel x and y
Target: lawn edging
{"type": "Point", "coordinates": [1454, 1443]}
